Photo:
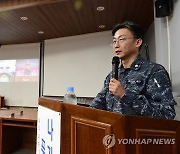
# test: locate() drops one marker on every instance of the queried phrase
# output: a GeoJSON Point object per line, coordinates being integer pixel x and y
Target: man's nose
{"type": "Point", "coordinates": [116, 45]}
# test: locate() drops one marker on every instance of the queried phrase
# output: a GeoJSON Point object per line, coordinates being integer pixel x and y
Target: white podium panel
{"type": "Point", "coordinates": [48, 131]}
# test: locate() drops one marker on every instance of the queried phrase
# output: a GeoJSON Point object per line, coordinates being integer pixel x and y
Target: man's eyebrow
{"type": "Point", "coordinates": [118, 36]}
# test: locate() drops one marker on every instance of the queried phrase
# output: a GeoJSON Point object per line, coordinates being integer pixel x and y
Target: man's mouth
{"type": "Point", "coordinates": [118, 52]}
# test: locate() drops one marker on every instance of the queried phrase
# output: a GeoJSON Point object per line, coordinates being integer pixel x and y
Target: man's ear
{"type": "Point", "coordinates": [138, 42]}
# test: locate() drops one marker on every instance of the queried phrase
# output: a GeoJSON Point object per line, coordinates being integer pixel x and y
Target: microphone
{"type": "Point", "coordinates": [115, 65]}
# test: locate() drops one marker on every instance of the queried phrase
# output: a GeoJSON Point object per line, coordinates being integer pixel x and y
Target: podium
{"type": "Point", "coordinates": [86, 130]}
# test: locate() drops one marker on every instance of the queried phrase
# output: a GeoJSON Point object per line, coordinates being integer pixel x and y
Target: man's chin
{"type": "Point", "coordinates": [120, 56]}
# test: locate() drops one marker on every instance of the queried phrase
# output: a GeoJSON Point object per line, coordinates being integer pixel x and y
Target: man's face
{"type": "Point", "coordinates": [124, 44]}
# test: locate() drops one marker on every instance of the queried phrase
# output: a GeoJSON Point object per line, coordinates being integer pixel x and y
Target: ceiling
{"type": "Point", "coordinates": [61, 18]}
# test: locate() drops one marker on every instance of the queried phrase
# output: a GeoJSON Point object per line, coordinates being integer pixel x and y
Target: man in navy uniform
{"type": "Point", "coordinates": [143, 87]}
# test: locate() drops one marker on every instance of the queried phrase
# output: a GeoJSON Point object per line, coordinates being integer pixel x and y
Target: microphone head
{"type": "Point", "coordinates": [115, 60]}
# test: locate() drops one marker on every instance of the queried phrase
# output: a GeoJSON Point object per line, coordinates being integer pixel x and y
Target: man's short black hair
{"type": "Point", "coordinates": [135, 29]}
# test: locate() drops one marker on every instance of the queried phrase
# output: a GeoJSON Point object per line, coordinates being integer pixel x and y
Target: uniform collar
{"type": "Point", "coordinates": [136, 65]}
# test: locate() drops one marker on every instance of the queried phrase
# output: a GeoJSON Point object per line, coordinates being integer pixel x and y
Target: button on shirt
{"type": "Point", "coordinates": [148, 91]}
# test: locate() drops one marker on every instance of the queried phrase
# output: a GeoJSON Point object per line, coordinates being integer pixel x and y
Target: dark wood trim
{"type": "Point", "coordinates": [31, 3]}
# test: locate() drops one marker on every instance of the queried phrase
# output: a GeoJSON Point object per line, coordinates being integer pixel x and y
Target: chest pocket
{"type": "Point", "coordinates": [136, 82]}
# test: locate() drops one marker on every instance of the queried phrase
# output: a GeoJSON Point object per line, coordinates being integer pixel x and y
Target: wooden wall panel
{"type": "Point", "coordinates": [162, 141]}
{"type": "Point", "coordinates": [86, 135]}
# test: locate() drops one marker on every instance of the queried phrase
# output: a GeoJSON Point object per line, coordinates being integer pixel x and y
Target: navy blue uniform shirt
{"type": "Point", "coordinates": [148, 91]}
